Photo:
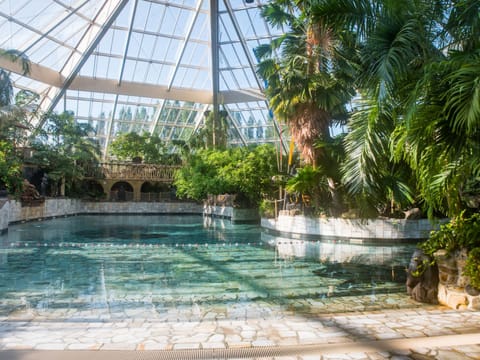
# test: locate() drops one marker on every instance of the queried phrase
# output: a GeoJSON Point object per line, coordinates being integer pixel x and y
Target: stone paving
{"type": "Point", "coordinates": [141, 330]}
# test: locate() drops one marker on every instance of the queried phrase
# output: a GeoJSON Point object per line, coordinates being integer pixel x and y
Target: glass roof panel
{"type": "Point", "coordinates": [25, 83]}
{"type": "Point", "coordinates": [166, 45]}
{"type": "Point", "coordinates": [113, 42]}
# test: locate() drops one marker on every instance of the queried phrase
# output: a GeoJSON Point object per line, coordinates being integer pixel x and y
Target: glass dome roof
{"type": "Point", "coordinates": [143, 65]}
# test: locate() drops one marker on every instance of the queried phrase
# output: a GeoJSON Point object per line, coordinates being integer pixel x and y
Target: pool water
{"type": "Point", "coordinates": [188, 268]}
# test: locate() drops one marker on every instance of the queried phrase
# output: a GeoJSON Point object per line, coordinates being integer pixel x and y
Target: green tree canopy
{"type": "Point", "coordinates": [64, 150]}
{"type": "Point", "coordinates": [150, 148]}
{"type": "Point", "coordinates": [246, 172]}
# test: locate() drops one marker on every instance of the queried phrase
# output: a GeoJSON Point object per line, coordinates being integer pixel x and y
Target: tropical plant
{"type": "Point", "coordinates": [414, 134]}
{"type": "Point", "coordinates": [13, 123]}
{"type": "Point", "coordinates": [462, 232]}
{"type": "Point", "coordinates": [10, 168]}
{"type": "Point", "coordinates": [472, 268]}
{"type": "Point", "coordinates": [64, 150]}
{"type": "Point", "coordinates": [310, 81]}
{"type": "Point", "coordinates": [214, 133]}
{"type": "Point", "coordinates": [246, 172]}
{"type": "Point", "coordinates": [376, 183]}
{"type": "Point", "coordinates": [150, 148]}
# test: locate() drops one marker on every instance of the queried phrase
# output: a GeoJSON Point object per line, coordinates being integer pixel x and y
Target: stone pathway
{"type": "Point", "coordinates": [428, 332]}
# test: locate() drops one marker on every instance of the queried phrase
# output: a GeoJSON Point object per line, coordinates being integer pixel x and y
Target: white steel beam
{"type": "Point", "coordinates": [127, 41]}
{"type": "Point", "coordinates": [88, 42]}
{"type": "Point", "coordinates": [53, 78]}
{"type": "Point", "coordinates": [185, 42]}
{"type": "Point", "coordinates": [71, 11]}
{"type": "Point", "coordinates": [240, 36]}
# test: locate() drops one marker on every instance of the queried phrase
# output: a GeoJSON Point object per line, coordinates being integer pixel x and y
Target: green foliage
{"type": "Point", "coordinates": [309, 75]}
{"type": "Point", "coordinates": [306, 181]}
{"type": "Point", "coordinates": [13, 123]}
{"type": "Point", "coordinates": [369, 173]}
{"type": "Point", "coordinates": [128, 145]}
{"type": "Point", "coordinates": [266, 208]}
{"type": "Point", "coordinates": [150, 148]}
{"type": "Point", "coordinates": [460, 232]}
{"type": "Point", "coordinates": [214, 133]}
{"type": "Point", "coordinates": [472, 267]}
{"type": "Point", "coordinates": [10, 168]}
{"type": "Point", "coordinates": [63, 149]}
{"type": "Point", "coordinates": [246, 172]}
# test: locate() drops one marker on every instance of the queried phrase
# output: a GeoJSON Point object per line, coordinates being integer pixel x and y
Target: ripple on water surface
{"type": "Point", "coordinates": [188, 268]}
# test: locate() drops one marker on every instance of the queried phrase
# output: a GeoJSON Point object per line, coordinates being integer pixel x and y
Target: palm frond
{"type": "Point", "coordinates": [463, 98]}
{"type": "Point", "coordinates": [355, 15]}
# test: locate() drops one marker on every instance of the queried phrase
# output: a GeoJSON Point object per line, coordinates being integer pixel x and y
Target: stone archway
{"type": "Point", "coordinates": [93, 189]}
{"type": "Point", "coordinates": [155, 191]}
{"type": "Point", "coordinates": [121, 191]}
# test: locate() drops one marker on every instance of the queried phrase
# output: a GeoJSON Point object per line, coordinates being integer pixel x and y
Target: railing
{"type": "Point", "coordinates": [122, 171]}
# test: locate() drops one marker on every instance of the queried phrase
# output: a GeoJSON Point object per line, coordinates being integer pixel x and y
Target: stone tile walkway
{"type": "Point", "coordinates": [427, 332]}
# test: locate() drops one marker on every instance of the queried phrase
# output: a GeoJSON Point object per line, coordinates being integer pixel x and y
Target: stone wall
{"type": "Point", "coordinates": [355, 229]}
{"type": "Point", "coordinates": [12, 211]}
{"type": "Point", "coordinates": [234, 214]}
{"type": "Point", "coordinates": [4, 211]}
{"type": "Point", "coordinates": [453, 286]}
{"type": "Point", "coordinates": [141, 208]}
{"type": "Point", "coordinates": [46, 209]}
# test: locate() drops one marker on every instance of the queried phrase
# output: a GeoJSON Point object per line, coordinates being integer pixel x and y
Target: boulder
{"type": "Point", "coordinates": [422, 278]}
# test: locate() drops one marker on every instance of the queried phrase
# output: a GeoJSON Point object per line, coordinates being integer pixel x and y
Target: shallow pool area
{"type": "Point", "coordinates": [181, 287]}
{"type": "Point", "coordinates": [186, 268]}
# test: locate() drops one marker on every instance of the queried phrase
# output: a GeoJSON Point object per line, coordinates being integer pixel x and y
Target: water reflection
{"type": "Point", "coordinates": [356, 266]}
{"type": "Point", "coordinates": [187, 267]}
{"type": "Point", "coordinates": [339, 251]}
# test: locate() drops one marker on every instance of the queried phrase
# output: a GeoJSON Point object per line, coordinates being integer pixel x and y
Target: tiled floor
{"type": "Point", "coordinates": [427, 332]}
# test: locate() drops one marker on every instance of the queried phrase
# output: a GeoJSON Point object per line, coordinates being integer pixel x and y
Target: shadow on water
{"type": "Point", "coordinates": [36, 278]}
{"type": "Point", "coordinates": [44, 272]}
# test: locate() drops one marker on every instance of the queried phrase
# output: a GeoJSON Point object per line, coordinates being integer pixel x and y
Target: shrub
{"type": "Point", "coordinates": [246, 172]}
{"type": "Point", "coordinates": [472, 267]}
{"type": "Point", "coordinates": [460, 233]}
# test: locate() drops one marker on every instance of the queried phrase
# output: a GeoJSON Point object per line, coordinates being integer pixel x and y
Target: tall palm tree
{"type": "Point", "coordinates": [418, 80]}
{"type": "Point", "coordinates": [308, 80]}
{"type": "Point", "coordinates": [442, 123]}
{"type": "Point", "coordinates": [13, 122]}
{"type": "Point", "coordinates": [13, 114]}
{"type": "Point", "coordinates": [6, 88]}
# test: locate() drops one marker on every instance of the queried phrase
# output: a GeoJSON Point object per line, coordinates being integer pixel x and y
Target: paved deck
{"type": "Point", "coordinates": [427, 332]}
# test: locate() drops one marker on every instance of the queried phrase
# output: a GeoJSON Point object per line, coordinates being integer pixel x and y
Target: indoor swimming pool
{"type": "Point", "coordinates": [186, 268]}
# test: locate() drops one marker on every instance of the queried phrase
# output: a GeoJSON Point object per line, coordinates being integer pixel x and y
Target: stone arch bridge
{"type": "Point", "coordinates": [113, 177]}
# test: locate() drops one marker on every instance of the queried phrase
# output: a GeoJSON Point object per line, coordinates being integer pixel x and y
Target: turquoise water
{"type": "Point", "coordinates": [187, 266]}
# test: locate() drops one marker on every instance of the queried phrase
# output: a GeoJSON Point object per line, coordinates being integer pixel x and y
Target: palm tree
{"type": "Point", "coordinates": [415, 129]}
{"type": "Point", "coordinates": [13, 122]}
{"type": "Point", "coordinates": [65, 151]}
{"type": "Point", "coordinates": [6, 88]}
{"type": "Point", "coordinates": [442, 124]}
{"type": "Point", "coordinates": [310, 82]}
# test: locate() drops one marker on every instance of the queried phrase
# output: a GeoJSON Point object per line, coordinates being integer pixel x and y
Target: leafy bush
{"type": "Point", "coordinates": [10, 168]}
{"type": "Point", "coordinates": [460, 233]}
{"type": "Point", "coordinates": [65, 150]}
{"type": "Point", "coordinates": [150, 148]}
{"type": "Point", "coordinates": [246, 172]}
{"type": "Point", "coordinates": [266, 208]}
{"type": "Point", "coordinates": [472, 268]}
